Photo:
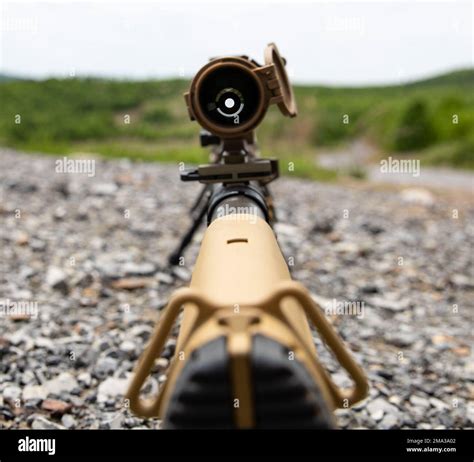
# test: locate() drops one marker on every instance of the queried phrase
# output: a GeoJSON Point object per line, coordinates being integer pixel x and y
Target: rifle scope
{"type": "Point", "coordinates": [229, 96]}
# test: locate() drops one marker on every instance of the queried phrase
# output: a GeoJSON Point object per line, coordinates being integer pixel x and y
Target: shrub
{"type": "Point", "coordinates": [415, 130]}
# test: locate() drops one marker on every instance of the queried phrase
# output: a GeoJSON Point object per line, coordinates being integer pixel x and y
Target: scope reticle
{"type": "Point", "coordinates": [229, 96]}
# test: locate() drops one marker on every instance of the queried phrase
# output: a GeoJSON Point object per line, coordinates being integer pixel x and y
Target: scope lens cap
{"type": "Point", "coordinates": [288, 105]}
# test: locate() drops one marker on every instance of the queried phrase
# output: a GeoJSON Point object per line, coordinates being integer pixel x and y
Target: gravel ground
{"type": "Point", "coordinates": [88, 256]}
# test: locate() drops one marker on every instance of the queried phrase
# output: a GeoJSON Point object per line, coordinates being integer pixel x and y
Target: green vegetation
{"type": "Point", "coordinates": [415, 130]}
{"type": "Point", "coordinates": [148, 120]}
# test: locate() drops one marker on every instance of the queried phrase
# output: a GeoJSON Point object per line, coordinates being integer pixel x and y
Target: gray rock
{"type": "Point", "coordinates": [63, 383]}
{"type": "Point", "coordinates": [170, 347]}
{"type": "Point", "coordinates": [11, 393]}
{"type": "Point", "coordinates": [462, 280]}
{"type": "Point", "coordinates": [165, 278]}
{"type": "Point", "coordinates": [32, 404]}
{"type": "Point", "coordinates": [347, 247]}
{"type": "Point", "coordinates": [390, 421]}
{"type": "Point", "coordinates": [37, 245]}
{"type": "Point", "coordinates": [389, 304]}
{"type": "Point", "coordinates": [17, 337]}
{"type": "Point", "coordinates": [323, 225]}
{"type": "Point", "coordinates": [402, 339]}
{"type": "Point", "coordinates": [85, 379]}
{"type": "Point", "coordinates": [182, 273]}
{"type": "Point", "coordinates": [419, 401]}
{"type": "Point", "coordinates": [373, 227]}
{"type": "Point", "coordinates": [161, 364]}
{"type": "Point", "coordinates": [142, 331]}
{"type": "Point", "coordinates": [34, 392]}
{"type": "Point", "coordinates": [287, 230]}
{"type": "Point", "coordinates": [127, 346]}
{"type": "Point", "coordinates": [438, 404]}
{"type": "Point", "coordinates": [111, 388]}
{"type": "Point", "coordinates": [380, 407]}
{"type": "Point", "coordinates": [6, 413]}
{"type": "Point", "coordinates": [138, 269]}
{"type": "Point", "coordinates": [105, 366]}
{"type": "Point", "coordinates": [470, 414]}
{"type": "Point", "coordinates": [28, 377]}
{"type": "Point", "coordinates": [104, 189]}
{"type": "Point", "coordinates": [114, 422]}
{"type": "Point", "coordinates": [68, 421]}
{"type": "Point", "coordinates": [147, 230]}
{"type": "Point", "coordinates": [109, 268]}
{"type": "Point", "coordinates": [43, 342]}
{"type": "Point", "coordinates": [56, 278]}
{"type": "Point", "coordinates": [42, 423]}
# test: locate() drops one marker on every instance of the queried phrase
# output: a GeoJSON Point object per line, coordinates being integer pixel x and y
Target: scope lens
{"type": "Point", "coordinates": [229, 96]}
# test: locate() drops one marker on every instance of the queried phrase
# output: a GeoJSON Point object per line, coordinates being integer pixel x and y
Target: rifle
{"type": "Point", "coordinates": [245, 356]}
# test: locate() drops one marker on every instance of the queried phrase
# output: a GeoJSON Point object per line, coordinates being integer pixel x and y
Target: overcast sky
{"type": "Point", "coordinates": [351, 43]}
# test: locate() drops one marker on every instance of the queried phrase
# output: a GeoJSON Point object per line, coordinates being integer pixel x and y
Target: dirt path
{"type": "Point", "coordinates": [360, 155]}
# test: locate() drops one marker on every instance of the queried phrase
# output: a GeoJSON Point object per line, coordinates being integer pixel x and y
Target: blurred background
{"type": "Point", "coordinates": [84, 246]}
{"type": "Point", "coordinates": [396, 76]}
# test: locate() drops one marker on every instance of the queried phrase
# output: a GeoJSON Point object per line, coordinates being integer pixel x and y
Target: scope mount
{"type": "Point", "coordinates": [235, 162]}
{"type": "Point", "coordinates": [262, 170]}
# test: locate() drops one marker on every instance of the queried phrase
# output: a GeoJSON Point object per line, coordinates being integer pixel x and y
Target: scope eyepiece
{"type": "Point", "coordinates": [229, 96]}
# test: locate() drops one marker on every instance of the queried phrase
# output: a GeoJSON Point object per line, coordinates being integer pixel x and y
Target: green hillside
{"type": "Point", "coordinates": [433, 118]}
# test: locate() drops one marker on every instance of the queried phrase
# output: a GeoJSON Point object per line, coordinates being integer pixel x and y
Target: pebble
{"type": "Point", "coordinates": [418, 401]}
{"type": "Point", "coordinates": [105, 366]}
{"type": "Point", "coordinates": [114, 422]}
{"type": "Point", "coordinates": [57, 279]}
{"type": "Point", "coordinates": [401, 339]}
{"type": "Point", "coordinates": [388, 304]}
{"type": "Point", "coordinates": [85, 378]}
{"type": "Point", "coordinates": [64, 382]}
{"type": "Point", "coordinates": [287, 230]}
{"type": "Point", "coordinates": [161, 363]}
{"type": "Point", "coordinates": [165, 278]}
{"type": "Point", "coordinates": [34, 392]}
{"type": "Point", "coordinates": [42, 423]}
{"type": "Point", "coordinates": [111, 388]}
{"type": "Point", "coordinates": [68, 421]}
{"type": "Point", "coordinates": [323, 225]}
{"type": "Point", "coordinates": [346, 247]}
{"type": "Point", "coordinates": [11, 393]}
{"type": "Point", "coordinates": [127, 346]}
{"type": "Point", "coordinates": [135, 269]}
{"type": "Point", "coordinates": [55, 406]}
{"type": "Point", "coordinates": [438, 404]}
{"type": "Point", "coordinates": [131, 283]}
{"type": "Point", "coordinates": [389, 421]}
{"type": "Point", "coordinates": [182, 273]}
{"type": "Point", "coordinates": [461, 280]}
{"type": "Point", "coordinates": [104, 189]}
{"type": "Point", "coordinates": [380, 407]}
